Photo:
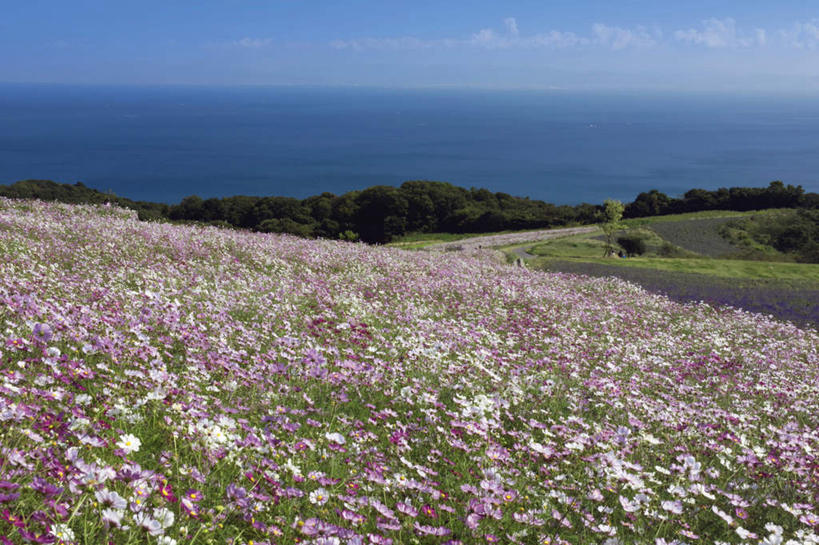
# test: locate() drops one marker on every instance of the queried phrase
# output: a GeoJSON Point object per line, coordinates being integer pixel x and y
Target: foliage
{"type": "Point", "coordinates": [776, 195]}
{"type": "Point", "coordinates": [792, 233]}
{"type": "Point", "coordinates": [632, 243]}
{"type": "Point", "coordinates": [349, 236]}
{"type": "Point", "coordinates": [667, 249]}
{"type": "Point", "coordinates": [612, 214]}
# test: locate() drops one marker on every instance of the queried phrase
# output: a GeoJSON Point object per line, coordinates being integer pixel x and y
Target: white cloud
{"type": "Point", "coordinates": [802, 35]}
{"type": "Point", "coordinates": [488, 38]}
{"type": "Point", "coordinates": [712, 33]}
{"type": "Point", "coordinates": [253, 43]}
{"type": "Point", "coordinates": [558, 39]}
{"type": "Point", "coordinates": [717, 33]}
{"type": "Point", "coordinates": [511, 26]}
{"type": "Point", "coordinates": [621, 38]}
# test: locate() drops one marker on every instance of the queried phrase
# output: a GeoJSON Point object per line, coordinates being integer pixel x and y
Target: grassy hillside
{"type": "Point", "coordinates": [181, 384]}
{"type": "Point", "coordinates": [688, 258]}
{"type": "Point", "coordinates": [723, 268]}
{"type": "Point", "coordinates": [684, 243]}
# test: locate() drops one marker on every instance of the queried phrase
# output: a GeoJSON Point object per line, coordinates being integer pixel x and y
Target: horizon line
{"type": "Point", "coordinates": [804, 93]}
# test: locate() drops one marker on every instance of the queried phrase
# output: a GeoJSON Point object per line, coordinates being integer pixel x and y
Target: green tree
{"type": "Point", "coordinates": [612, 214]}
{"type": "Point", "coordinates": [382, 212]}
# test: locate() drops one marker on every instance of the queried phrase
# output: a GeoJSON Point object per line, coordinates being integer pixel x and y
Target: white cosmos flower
{"type": "Point", "coordinates": [110, 498]}
{"type": "Point", "coordinates": [164, 516]}
{"type": "Point", "coordinates": [773, 539]}
{"type": "Point", "coordinates": [675, 507]}
{"type": "Point", "coordinates": [774, 528]}
{"type": "Point", "coordinates": [150, 525]}
{"type": "Point", "coordinates": [113, 516]}
{"type": "Point", "coordinates": [293, 468]}
{"type": "Point", "coordinates": [129, 443]}
{"type": "Point", "coordinates": [62, 532]}
{"type": "Point", "coordinates": [745, 534]}
{"type": "Point", "coordinates": [335, 438]}
{"type": "Point", "coordinates": [722, 514]}
{"type": "Point", "coordinates": [319, 496]}
{"type": "Point", "coordinates": [629, 506]}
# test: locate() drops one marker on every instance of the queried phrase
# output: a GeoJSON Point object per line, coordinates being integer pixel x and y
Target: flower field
{"type": "Point", "coordinates": [180, 385]}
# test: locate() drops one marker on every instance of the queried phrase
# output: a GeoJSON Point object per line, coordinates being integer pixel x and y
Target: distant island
{"type": "Point", "coordinates": [380, 213]}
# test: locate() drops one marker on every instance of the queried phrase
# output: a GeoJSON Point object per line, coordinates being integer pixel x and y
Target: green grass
{"type": "Point", "coordinates": [589, 248]}
{"type": "Point", "coordinates": [724, 268]}
{"type": "Point", "coordinates": [583, 245]}
{"type": "Point", "coordinates": [420, 240]}
{"type": "Point", "coordinates": [636, 222]}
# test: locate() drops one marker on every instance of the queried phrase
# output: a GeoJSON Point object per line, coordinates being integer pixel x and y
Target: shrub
{"type": "Point", "coordinates": [632, 244]}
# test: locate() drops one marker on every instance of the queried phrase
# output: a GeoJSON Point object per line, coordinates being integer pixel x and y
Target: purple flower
{"type": "Point", "coordinates": [6, 498]}
{"type": "Point", "coordinates": [388, 524]}
{"type": "Point", "coordinates": [473, 520]}
{"type": "Point", "coordinates": [42, 333]}
{"type": "Point", "coordinates": [427, 530]}
{"type": "Point", "coordinates": [406, 509]}
{"type": "Point", "coordinates": [44, 487]}
{"type": "Point", "coordinates": [36, 538]}
{"type": "Point", "coordinates": [193, 495]}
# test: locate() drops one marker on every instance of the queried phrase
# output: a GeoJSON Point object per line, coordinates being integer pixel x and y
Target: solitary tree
{"type": "Point", "coordinates": [612, 214]}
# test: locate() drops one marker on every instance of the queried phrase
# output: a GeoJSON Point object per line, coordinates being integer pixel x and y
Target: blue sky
{"type": "Point", "coordinates": [681, 46]}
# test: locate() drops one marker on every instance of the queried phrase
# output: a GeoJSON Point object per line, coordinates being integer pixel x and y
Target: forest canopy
{"type": "Point", "coordinates": [380, 213]}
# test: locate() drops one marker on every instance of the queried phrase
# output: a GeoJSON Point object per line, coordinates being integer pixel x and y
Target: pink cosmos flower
{"type": "Point", "coordinates": [189, 507]}
{"type": "Point", "coordinates": [406, 509]}
{"type": "Point", "coordinates": [167, 493]}
{"type": "Point", "coordinates": [426, 530]}
{"type": "Point", "coordinates": [810, 519]}
{"type": "Point", "coordinates": [194, 495]}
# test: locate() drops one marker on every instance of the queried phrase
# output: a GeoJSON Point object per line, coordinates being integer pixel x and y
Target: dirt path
{"type": "Point", "coordinates": [509, 239]}
{"type": "Point", "coordinates": [522, 252]}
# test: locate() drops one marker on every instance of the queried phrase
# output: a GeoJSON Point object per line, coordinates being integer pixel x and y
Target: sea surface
{"type": "Point", "coordinates": [164, 143]}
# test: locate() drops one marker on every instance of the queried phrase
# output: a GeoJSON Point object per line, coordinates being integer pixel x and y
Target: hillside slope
{"type": "Point", "coordinates": [167, 384]}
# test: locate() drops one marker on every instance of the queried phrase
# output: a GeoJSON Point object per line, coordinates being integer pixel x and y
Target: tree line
{"type": "Point", "coordinates": [776, 195]}
{"type": "Point", "coordinates": [381, 213]}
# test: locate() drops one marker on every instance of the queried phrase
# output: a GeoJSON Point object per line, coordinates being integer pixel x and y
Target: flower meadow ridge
{"type": "Point", "coordinates": [185, 384]}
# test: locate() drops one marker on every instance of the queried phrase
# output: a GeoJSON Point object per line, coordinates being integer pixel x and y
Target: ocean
{"type": "Point", "coordinates": [165, 143]}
